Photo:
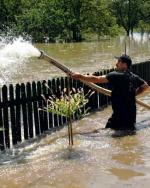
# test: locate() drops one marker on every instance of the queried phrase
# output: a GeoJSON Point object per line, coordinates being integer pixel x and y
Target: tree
{"type": "Point", "coordinates": [73, 17]}
{"type": "Point", "coordinates": [144, 23]}
{"type": "Point", "coordinates": [57, 20]}
{"type": "Point", "coordinates": [101, 20]}
{"type": "Point", "coordinates": [8, 13]}
{"type": "Point", "coordinates": [127, 13]}
{"type": "Point", "coordinates": [40, 20]}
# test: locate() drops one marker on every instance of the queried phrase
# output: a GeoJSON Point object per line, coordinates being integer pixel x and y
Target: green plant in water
{"type": "Point", "coordinates": [74, 103]}
{"type": "Point", "coordinates": [67, 105]}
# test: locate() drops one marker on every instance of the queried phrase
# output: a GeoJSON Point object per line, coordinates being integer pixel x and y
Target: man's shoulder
{"type": "Point", "coordinates": [134, 75]}
{"type": "Point", "coordinates": [114, 76]}
{"type": "Point", "coordinates": [115, 73]}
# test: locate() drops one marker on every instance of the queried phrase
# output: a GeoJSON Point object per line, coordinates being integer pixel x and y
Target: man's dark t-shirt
{"type": "Point", "coordinates": [124, 85]}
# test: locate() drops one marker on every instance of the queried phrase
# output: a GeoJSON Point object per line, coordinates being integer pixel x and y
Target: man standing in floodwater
{"type": "Point", "coordinates": [125, 86]}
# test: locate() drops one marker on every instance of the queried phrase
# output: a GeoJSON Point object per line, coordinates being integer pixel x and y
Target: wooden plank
{"type": "Point", "coordinates": [147, 71]}
{"type": "Point", "coordinates": [12, 114]}
{"type": "Point", "coordinates": [63, 86]}
{"type": "Point", "coordinates": [29, 109]}
{"type": "Point", "coordinates": [35, 109]}
{"type": "Point", "coordinates": [5, 115]}
{"type": "Point", "coordinates": [80, 85]}
{"type": "Point", "coordinates": [50, 115]}
{"type": "Point", "coordinates": [74, 88]}
{"type": "Point", "coordinates": [18, 113]}
{"type": "Point", "coordinates": [40, 105]}
{"type": "Point", "coordinates": [2, 145]}
{"type": "Point", "coordinates": [24, 111]}
{"type": "Point", "coordinates": [45, 114]}
{"type": "Point", "coordinates": [56, 121]}
{"type": "Point", "coordinates": [58, 95]}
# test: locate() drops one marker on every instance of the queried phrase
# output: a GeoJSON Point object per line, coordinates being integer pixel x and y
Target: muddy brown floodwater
{"type": "Point", "coordinates": [96, 160]}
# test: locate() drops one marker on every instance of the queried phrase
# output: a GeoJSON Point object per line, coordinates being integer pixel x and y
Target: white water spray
{"type": "Point", "coordinates": [13, 55]}
{"type": "Point", "coordinates": [18, 49]}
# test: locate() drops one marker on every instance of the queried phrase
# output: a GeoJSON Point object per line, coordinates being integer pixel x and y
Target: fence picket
{"type": "Point", "coordinates": [40, 105]}
{"type": "Point", "coordinates": [35, 109]}
{"type": "Point", "coordinates": [18, 112]}
{"type": "Point", "coordinates": [2, 145]}
{"type": "Point", "coordinates": [5, 115]}
{"type": "Point", "coordinates": [12, 114]}
{"type": "Point", "coordinates": [29, 109]}
{"type": "Point", "coordinates": [45, 114]}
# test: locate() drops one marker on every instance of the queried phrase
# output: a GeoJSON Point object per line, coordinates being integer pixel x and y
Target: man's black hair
{"type": "Point", "coordinates": [125, 59]}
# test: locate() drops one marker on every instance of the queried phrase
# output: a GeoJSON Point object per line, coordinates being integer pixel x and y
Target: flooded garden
{"type": "Point", "coordinates": [97, 159]}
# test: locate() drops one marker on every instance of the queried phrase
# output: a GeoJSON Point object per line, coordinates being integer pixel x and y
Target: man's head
{"type": "Point", "coordinates": [124, 62]}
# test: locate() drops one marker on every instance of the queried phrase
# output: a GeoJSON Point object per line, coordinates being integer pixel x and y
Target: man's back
{"type": "Point", "coordinates": [124, 85]}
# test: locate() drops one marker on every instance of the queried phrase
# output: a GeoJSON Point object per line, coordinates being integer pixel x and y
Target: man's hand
{"type": "Point", "coordinates": [76, 75]}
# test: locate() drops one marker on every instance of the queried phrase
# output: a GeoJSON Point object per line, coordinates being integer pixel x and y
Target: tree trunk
{"type": "Point", "coordinates": [132, 31]}
{"type": "Point", "coordinates": [128, 32]}
{"type": "Point", "coordinates": [76, 34]}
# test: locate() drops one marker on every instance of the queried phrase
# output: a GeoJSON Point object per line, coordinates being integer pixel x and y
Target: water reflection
{"type": "Point", "coordinates": [130, 156]}
{"type": "Point", "coordinates": [125, 174]}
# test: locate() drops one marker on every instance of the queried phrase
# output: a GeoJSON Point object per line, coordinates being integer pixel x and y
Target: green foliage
{"type": "Point", "coordinates": [144, 23]}
{"type": "Point", "coordinates": [131, 14]}
{"type": "Point", "coordinates": [103, 22]}
{"type": "Point", "coordinates": [72, 20]}
{"type": "Point", "coordinates": [143, 27]}
{"type": "Point", "coordinates": [67, 105]}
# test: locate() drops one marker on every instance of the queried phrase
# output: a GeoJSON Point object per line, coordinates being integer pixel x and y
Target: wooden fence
{"type": "Point", "coordinates": [20, 115]}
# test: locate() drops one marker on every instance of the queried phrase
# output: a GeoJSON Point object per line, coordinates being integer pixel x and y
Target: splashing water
{"type": "Point", "coordinates": [13, 54]}
{"type": "Point", "coordinates": [18, 49]}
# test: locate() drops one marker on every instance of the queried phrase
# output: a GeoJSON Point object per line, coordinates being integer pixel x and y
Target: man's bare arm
{"type": "Point", "coordinates": [142, 88]}
{"type": "Point", "coordinates": [90, 78]}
